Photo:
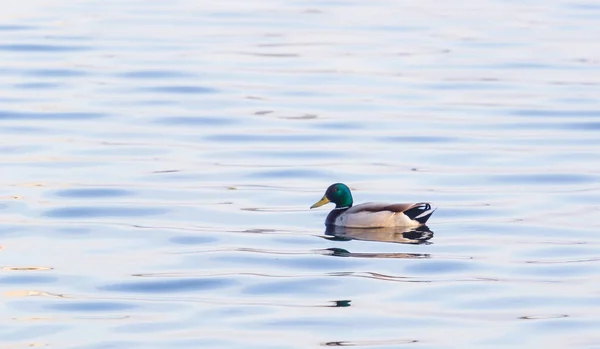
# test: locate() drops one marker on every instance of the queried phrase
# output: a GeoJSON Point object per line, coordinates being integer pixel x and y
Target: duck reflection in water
{"type": "Point", "coordinates": [401, 235]}
{"type": "Point", "coordinates": [415, 236]}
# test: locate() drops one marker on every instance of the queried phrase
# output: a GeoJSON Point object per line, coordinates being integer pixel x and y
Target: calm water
{"type": "Point", "coordinates": [159, 159]}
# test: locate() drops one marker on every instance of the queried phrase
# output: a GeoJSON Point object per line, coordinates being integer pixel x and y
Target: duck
{"type": "Point", "coordinates": [371, 214]}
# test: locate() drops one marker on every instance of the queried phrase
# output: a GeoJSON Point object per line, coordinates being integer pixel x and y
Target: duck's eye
{"type": "Point", "coordinates": [335, 190]}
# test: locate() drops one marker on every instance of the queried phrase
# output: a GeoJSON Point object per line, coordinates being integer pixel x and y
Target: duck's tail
{"type": "Point", "coordinates": [420, 212]}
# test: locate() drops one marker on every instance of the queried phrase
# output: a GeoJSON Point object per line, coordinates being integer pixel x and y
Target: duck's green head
{"type": "Point", "coordinates": [339, 194]}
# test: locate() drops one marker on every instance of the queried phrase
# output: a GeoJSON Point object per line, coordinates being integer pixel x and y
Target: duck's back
{"type": "Point", "coordinates": [378, 214]}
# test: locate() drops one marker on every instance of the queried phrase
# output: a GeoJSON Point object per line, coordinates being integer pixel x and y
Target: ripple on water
{"type": "Point", "coordinates": [194, 121]}
{"type": "Point", "coordinates": [392, 343]}
{"type": "Point", "coordinates": [544, 178]}
{"type": "Point", "coordinates": [19, 115]}
{"type": "Point", "coordinates": [557, 113]}
{"type": "Point", "coordinates": [27, 279]}
{"type": "Point", "coordinates": [292, 173]}
{"type": "Point", "coordinates": [423, 139]}
{"type": "Point", "coordinates": [469, 85]}
{"type": "Point", "coordinates": [90, 306]}
{"type": "Point", "coordinates": [271, 138]}
{"type": "Point", "coordinates": [557, 126]}
{"type": "Point", "coordinates": [180, 89]}
{"type": "Point", "coordinates": [154, 74]}
{"type": "Point", "coordinates": [306, 262]}
{"type": "Point", "coordinates": [93, 193]}
{"type": "Point", "coordinates": [55, 73]}
{"type": "Point", "coordinates": [479, 211]}
{"type": "Point", "coordinates": [299, 154]}
{"type": "Point", "coordinates": [338, 126]}
{"type": "Point", "coordinates": [15, 27]}
{"type": "Point", "coordinates": [102, 211]}
{"type": "Point", "coordinates": [38, 85]}
{"type": "Point", "coordinates": [558, 270]}
{"type": "Point", "coordinates": [560, 253]}
{"type": "Point", "coordinates": [37, 48]}
{"type": "Point", "coordinates": [193, 240]}
{"type": "Point", "coordinates": [171, 285]}
{"type": "Point", "coordinates": [581, 126]}
{"type": "Point", "coordinates": [26, 130]}
{"type": "Point", "coordinates": [305, 286]}
{"type": "Point", "coordinates": [525, 302]}
{"type": "Point", "coordinates": [433, 267]}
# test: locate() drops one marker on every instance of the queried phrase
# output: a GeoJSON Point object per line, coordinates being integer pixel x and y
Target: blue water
{"type": "Point", "coordinates": [159, 159]}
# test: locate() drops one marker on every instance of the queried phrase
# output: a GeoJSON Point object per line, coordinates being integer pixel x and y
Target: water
{"type": "Point", "coordinates": [159, 159]}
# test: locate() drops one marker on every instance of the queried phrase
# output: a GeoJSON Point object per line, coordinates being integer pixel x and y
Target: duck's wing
{"type": "Point", "coordinates": [419, 212]}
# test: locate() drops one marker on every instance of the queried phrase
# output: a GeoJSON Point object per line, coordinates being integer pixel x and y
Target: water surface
{"type": "Point", "coordinates": [159, 159]}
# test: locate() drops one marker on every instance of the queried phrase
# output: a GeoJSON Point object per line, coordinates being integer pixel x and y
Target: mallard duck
{"type": "Point", "coordinates": [371, 214]}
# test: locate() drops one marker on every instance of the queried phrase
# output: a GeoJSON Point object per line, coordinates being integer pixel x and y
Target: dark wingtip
{"type": "Point", "coordinates": [420, 213]}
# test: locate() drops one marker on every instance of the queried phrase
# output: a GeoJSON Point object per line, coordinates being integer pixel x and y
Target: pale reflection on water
{"type": "Point", "coordinates": [158, 159]}
{"type": "Point", "coordinates": [402, 235]}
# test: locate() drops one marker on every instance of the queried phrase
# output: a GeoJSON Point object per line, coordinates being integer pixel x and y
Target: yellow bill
{"type": "Point", "coordinates": [321, 202]}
